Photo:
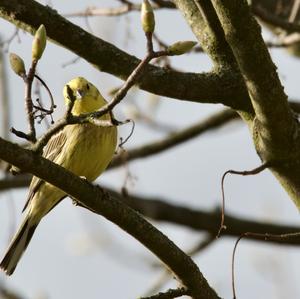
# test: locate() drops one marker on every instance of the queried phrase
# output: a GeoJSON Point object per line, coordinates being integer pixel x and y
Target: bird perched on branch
{"type": "Point", "coordinates": [84, 149]}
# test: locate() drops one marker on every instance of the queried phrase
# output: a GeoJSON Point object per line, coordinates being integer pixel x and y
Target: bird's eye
{"type": "Point", "coordinates": [87, 87]}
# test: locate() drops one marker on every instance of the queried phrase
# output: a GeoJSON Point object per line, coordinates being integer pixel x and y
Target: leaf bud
{"type": "Point", "coordinates": [39, 43]}
{"type": "Point", "coordinates": [147, 17]}
{"type": "Point", "coordinates": [181, 47]}
{"type": "Point", "coordinates": [17, 64]}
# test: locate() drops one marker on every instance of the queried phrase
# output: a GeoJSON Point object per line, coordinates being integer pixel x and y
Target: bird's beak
{"type": "Point", "coordinates": [79, 94]}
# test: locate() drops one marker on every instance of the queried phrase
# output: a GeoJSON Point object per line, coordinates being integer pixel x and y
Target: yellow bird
{"type": "Point", "coordinates": [84, 149]}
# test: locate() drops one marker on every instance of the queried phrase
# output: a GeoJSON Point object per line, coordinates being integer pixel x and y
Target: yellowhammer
{"type": "Point", "coordinates": [84, 149]}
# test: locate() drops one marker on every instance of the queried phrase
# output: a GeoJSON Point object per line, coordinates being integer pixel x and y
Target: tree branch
{"type": "Point", "coordinates": [100, 202]}
{"type": "Point", "coordinates": [271, 18]}
{"type": "Point", "coordinates": [267, 95]}
{"type": "Point", "coordinates": [163, 210]}
{"type": "Point", "coordinates": [211, 122]}
{"type": "Point", "coordinates": [222, 87]}
{"type": "Point", "coordinates": [18, 181]}
{"type": "Point", "coordinates": [210, 33]}
{"type": "Point", "coordinates": [275, 129]}
{"type": "Point", "coordinates": [204, 22]}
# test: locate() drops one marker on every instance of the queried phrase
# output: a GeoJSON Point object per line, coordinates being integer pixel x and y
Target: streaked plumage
{"type": "Point", "coordinates": [84, 149]}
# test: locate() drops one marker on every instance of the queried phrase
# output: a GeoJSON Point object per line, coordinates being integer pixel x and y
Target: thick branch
{"type": "Point", "coordinates": [267, 95]}
{"type": "Point", "coordinates": [204, 22]}
{"type": "Point", "coordinates": [222, 87]}
{"type": "Point", "coordinates": [210, 123]}
{"type": "Point", "coordinates": [207, 28]}
{"type": "Point", "coordinates": [100, 202]}
{"type": "Point", "coordinates": [275, 129]}
{"type": "Point", "coordinates": [163, 210]}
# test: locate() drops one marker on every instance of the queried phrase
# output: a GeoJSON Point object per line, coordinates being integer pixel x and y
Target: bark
{"type": "Point", "coordinates": [274, 128]}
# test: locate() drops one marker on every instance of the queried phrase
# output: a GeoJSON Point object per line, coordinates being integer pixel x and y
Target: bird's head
{"type": "Point", "coordinates": [87, 96]}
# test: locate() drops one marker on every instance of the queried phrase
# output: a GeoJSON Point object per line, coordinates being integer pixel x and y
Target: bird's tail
{"type": "Point", "coordinates": [18, 245]}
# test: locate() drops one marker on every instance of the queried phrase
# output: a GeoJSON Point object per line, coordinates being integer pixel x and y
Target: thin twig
{"type": "Point", "coordinates": [39, 145]}
{"type": "Point", "coordinates": [117, 11]}
{"type": "Point", "coordinates": [5, 43]}
{"type": "Point", "coordinates": [40, 106]}
{"type": "Point", "coordinates": [28, 101]}
{"type": "Point", "coordinates": [265, 237]}
{"type": "Point", "coordinates": [28, 79]}
{"type": "Point", "coordinates": [53, 106]}
{"type": "Point", "coordinates": [70, 62]}
{"type": "Point", "coordinates": [294, 11]}
{"type": "Point", "coordinates": [130, 134]}
{"type": "Point", "coordinates": [244, 173]}
{"type": "Point", "coordinates": [131, 80]}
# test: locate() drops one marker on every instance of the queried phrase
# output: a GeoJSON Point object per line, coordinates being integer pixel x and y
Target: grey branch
{"type": "Point", "coordinates": [213, 122]}
{"type": "Point", "coordinates": [101, 202]}
{"type": "Point", "coordinates": [161, 209]}
{"type": "Point", "coordinates": [214, 87]}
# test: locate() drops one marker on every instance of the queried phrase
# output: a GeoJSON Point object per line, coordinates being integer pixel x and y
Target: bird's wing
{"type": "Point", "coordinates": [51, 151]}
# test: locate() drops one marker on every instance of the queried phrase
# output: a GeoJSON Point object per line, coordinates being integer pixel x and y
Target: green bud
{"type": "Point", "coordinates": [147, 17]}
{"type": "Point", "coordinates": [181, 47]}
{"type": "Point", "coordinates": [39, 43]}
{"type": "Point", "coordinates": [17, 64]}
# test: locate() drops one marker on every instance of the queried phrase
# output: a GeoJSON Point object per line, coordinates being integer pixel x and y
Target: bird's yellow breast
{"type": "Point", "coordinates": [89, 149]}
{"type": "Point", "coordinates": [87, 152]}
